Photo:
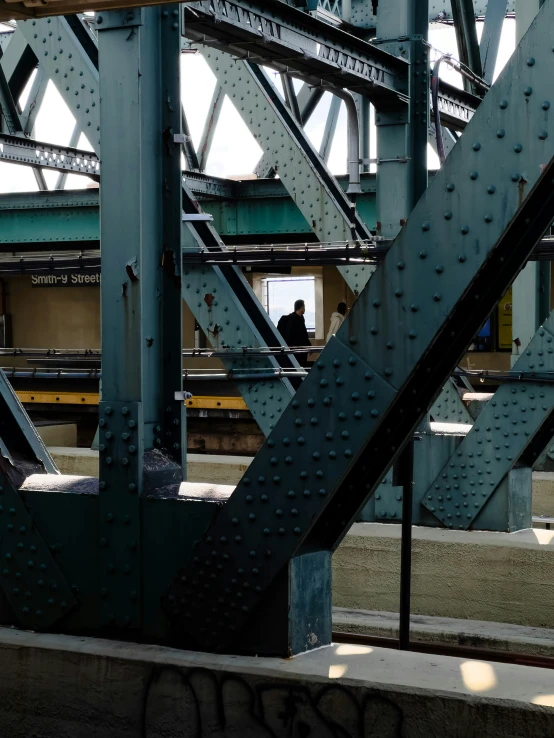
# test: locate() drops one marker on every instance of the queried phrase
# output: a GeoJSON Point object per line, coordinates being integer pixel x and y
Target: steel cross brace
{"type": "Point", "coordinates": [216, 295]}
{"type": "Point", "coordinates": [374, 382]}
{"type": "Point", "coordinates": [313, 188]}
{"type": "Point", "coordinates": [30, 577]}
{"type": "Point", "coordinates": [517, 423]}
{"type": "Point", "coordinates": [72, 66]}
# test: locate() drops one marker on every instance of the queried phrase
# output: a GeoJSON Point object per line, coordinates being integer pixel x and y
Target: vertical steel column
{"type": "Point", "coordinates": [401, 180]}
{"type": "Point", "coordinates": [401, 133]}
{"type": "Point", "coordinates": [531, 289]}
{"type": "Point", "coordinates": [463, 14]}
{"type": "Point", "coordinates": [170, 430]}
{"type": "Point", "coordinates": [140, 219]}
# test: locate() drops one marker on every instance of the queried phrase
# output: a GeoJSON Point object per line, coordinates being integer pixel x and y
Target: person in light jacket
{"type": "Point", "coordinates": [336, 320]}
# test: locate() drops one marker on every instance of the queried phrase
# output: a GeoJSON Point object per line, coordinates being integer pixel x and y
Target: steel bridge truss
{"type": "Point", "coordinates": [248, 570]}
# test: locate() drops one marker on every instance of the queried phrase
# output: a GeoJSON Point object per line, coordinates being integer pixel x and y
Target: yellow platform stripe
{"type": "Point", "coordinates": [59, 398]}
{"type": "Point", "coordinates": [92, 398]}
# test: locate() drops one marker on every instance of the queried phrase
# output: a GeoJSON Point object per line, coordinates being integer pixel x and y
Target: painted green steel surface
{"type": "Point", "coordinates": [71, 216]}
{"type": "Point", "coordinates": [45, 218]}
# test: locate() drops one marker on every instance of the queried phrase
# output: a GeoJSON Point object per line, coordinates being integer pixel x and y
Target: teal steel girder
{"type": "Point", "coordinates": [449, 408]}
{"type": "Point", "coordinates": [30, 577]}
{"type": "Point", "coordinates": [375, 381]}
{"type": "Point", "coordinates": [142, 442]}
{"type": "Point", "coordinates": [49, 217]}
{"type": "Point", "coordinates": [60, 54]}
{"type": "Point", "coordinates": [248, 209]}
{"type": "Point", "coordinates": [517, 414]}
{"type": "Point", "coordinates": [292, 42]}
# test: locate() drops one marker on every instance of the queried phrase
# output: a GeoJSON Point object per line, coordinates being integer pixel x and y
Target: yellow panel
{"type": "Point", "coordinates": [59, 398]}
{"type": "Point", "coordinates": [505, 321]}
{"type": "Point", "coordinates": [216, 403]}
{"type": "Point", "coordinates": [92, 398]}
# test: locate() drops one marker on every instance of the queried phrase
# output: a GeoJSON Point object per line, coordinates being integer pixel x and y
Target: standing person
{"type": "Point", "coordinates": [293, 329]}
{"type": "Point", "coordinates": [337, 320]}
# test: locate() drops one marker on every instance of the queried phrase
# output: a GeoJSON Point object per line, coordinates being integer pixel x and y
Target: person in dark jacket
{"type": "Point", "coordinates": [293, 329]}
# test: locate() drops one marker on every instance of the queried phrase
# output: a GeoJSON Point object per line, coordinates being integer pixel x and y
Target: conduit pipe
{"type": "Point", "coordinates": [354, 186]}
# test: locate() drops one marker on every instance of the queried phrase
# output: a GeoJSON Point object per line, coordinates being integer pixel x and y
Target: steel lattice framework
{"type": "Point", "coordinates": [142, 552]}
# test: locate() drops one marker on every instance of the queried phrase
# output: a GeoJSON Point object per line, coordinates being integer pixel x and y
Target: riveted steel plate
{"type": "Point", "coordinates": [31, 579]}
{"type": "Point", "coordinates": [286, 488]}
{"type": "Point", "coordinates": [119, 524]}
{"type": "Point", "coordinates": [449, 408]}
{"type": "Point", "coordinates": [500, 435]}
{"type": "Point", "coordinates": [62, 57]}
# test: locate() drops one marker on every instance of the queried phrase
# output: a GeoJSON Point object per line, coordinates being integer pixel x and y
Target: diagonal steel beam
{"type": "Point", "coordinates": [374, 382]}
{"type": "Point", "coordinates": [330, 129]}
{"type": "Point", "coordinates": [518, 421]}
{"type": "Point", "coordinates": [210, 125]}
{"type": "Point", "coordinates": [463, 14]}
{"type": "Point", "coordinates": [490, 39]}
{"type": "Point", "coordinates": [62, 176]}
{"type": "Point", "coordinates": [9, 116]}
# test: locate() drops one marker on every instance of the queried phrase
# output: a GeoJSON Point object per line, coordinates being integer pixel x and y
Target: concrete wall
{"type": "Point", "coordinates": [53, 317]}
{"type": "Point", "coordinates": [200, 468]}
{"type": "Point", "coordinates": [501, 577]}
{"type": "Point", "coordinates": [69, 317]}
{"type": "Point", "coordinates": [84, 688]}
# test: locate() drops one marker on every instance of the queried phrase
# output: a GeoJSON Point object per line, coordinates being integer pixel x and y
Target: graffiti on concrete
{"type": "Point", "coordinates": [205, 704]}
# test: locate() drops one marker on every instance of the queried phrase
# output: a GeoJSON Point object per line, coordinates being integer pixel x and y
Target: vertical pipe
{"type": "Point", "coordinates": [365, 152]}
{"type": "Point", "coordinates": [406, 474]}
{"type": "Point", "coordinates": [544, 291]}
{"type": "Point", "coordinates": [353, 142]}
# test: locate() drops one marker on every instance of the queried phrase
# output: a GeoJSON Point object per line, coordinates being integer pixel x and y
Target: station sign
{"type": "Point", "coordinates": [67, 279]}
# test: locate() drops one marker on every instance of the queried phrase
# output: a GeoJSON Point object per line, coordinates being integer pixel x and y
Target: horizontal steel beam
{"type": "Point", "coordinates": [88, 261]}
{"type": "Point", "coordinates": [31, 153]}
{"type": "Point", "coordinates": [456, 106]}
{"type": "Point", "coordinates": [284, 38]}
{"type": "Point", "coordinates": [256, 206]}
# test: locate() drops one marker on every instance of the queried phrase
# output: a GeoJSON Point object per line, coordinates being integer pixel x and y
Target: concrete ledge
{"type": "Point", "coordinates": [220, 469]}
{"type": "Point", "coordinates": [70, 687]}
{"type": "Point", "coordinates": [200, 468]}
{"type": "Point", "coordinates": [516, 639]}
{"type": "Point", "coordinates": [500, 577]}
{"type": "Point", "coordinates": [543, 493]}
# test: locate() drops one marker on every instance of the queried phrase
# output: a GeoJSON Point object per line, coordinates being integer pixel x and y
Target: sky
{"type": "Point", "coordinates": [234, 151]}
